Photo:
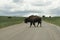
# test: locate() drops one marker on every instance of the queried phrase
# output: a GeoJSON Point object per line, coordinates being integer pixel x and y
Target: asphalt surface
{"type": "Point", "coordinates": [24, 32]}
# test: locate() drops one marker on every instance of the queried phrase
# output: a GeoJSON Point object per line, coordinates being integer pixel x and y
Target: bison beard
{"type": "Point", "coordinates": [33, 19]}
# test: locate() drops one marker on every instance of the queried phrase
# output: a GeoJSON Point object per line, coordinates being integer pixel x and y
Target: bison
{"type": "Point", "coordinates": [33, 19]}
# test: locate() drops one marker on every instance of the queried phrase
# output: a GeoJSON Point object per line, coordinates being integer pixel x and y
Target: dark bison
{"type": "Point", "coordinates": [33, 19]}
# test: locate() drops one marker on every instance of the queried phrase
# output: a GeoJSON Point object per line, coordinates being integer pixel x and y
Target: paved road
{"type": "Point", "coordinates": [24, 32]}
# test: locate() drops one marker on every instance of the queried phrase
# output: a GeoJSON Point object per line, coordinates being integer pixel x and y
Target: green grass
{"type": "Point", "coordinates": [53, 20]}
{"type": "Point", "coordinates": [5, 21]}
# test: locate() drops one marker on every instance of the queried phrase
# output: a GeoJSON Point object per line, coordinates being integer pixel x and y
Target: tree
{"type": "Point", "coordinates": [9, 17]}
{"type": "Point", "coordinates": [43, 16]}
{"type": "Point", "coordinates": [49, 16]}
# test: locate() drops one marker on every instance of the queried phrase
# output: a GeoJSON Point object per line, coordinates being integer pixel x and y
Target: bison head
{"type": "Point", "coordinates": [26, 20]}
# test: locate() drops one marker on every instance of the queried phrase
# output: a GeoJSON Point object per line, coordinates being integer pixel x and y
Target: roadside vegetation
{"type": "Point", "coordinates": [53, 20]}
{"type": "Point", "coordinates": [7, 21]}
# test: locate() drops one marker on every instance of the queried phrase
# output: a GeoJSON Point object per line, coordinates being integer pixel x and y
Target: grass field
{"type": "Point", "coordinates": [5, 21]}
{"type": "Point", "coordinates": [53, 20]}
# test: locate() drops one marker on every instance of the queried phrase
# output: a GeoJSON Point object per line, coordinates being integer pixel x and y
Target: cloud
{"type": "Point", "coordinates": [28, 7]}
{"type": "Point", "coordinates": [18, 1]}
{"type": "Point", "coordinates": [55, 11]}
{"type": "Point", "coordinates": [42, 3]}
{"type": "Point", "coordinates": [31, 14]}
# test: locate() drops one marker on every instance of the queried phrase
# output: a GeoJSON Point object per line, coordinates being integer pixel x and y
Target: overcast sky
{"type": "Point", "coordinates": [29, 7]}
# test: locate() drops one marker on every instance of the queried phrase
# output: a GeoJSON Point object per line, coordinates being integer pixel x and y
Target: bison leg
{"type": "Point", "coordinates": [34, 24]}
{"type": "Point", "coordinates": [37, 24]}
{"type": "Point", "coordinates": [40, 24]}
{"type": "Point", "coordinates": [30, 24]}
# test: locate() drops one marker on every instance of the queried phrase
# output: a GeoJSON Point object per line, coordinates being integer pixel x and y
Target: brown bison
{"type": "Point", "coordinates": [33, 19]}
